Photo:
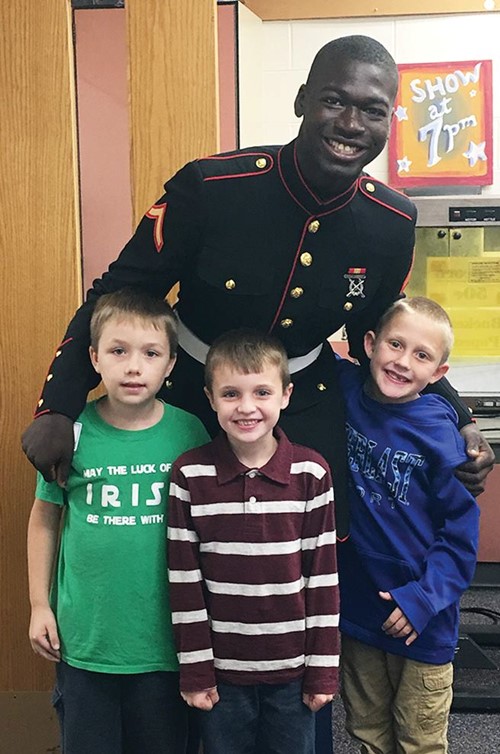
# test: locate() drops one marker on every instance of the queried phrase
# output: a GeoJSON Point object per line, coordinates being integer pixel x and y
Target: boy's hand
{"type": "Point", "coordinates": [397, 624]}
{"type": "Point", "coordinates": [204, 700]}
{"type": "Point", "coordinates": [43, 634]}
{"type": "Point", "coordinates": [316, 701]}
{"type": "Point", "coordinates": [473, 473]}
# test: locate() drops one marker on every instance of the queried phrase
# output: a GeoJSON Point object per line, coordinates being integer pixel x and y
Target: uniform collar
{"type": "Point", "coordinates": [300, 192]}
{"type": "Point", "coordinates": [228, 466]}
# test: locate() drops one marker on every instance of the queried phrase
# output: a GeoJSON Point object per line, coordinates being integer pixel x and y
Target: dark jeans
{"type": "Point", "coordinates": [101, 713]}
{"type": "Point", "coordinates": [324, 732]}
{"type": "Point", "coordinates": [261, 719]}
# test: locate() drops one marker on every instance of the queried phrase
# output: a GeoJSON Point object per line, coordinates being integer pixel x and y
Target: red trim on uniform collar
{"type": "Point", "coordinates": [308, 188]}
{"type": "Point", "coordinates": [299, 191]}
{"type": "Point", "coordinates": [260, 171]}
{"type": "Point", "coordinates": [365, 179]}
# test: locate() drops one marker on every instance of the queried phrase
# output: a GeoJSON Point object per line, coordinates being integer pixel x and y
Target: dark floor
{"type": "Point", "coordinates": [476, 732]}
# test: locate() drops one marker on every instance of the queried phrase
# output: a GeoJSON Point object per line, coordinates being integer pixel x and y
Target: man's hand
{"type": "Point", "coordinates": [48, 443]}
{"type": "Point", "coordinates": [473, 473]}
{"type": "Point", "coordinates": [397, 624]}
{"type": "Point", "coordinates": [204, 700]}
{"type": "Point", "coordinates": [316, 701]}
{"type": "Point", "coordinates": [43, 634]}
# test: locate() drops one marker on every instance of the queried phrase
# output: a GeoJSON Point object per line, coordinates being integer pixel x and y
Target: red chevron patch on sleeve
{"type": "Point", "coordinates": [157, 213]}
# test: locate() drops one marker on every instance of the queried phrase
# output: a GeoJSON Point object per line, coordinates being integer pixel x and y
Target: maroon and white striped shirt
{"type": "Point", "coordinates": [253, 576]}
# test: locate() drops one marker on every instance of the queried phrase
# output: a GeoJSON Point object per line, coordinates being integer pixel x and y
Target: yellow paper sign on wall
{"type": "Point", "coordinates": [442, 127]}
{"type": "Point", "coordinates": [469, 290]}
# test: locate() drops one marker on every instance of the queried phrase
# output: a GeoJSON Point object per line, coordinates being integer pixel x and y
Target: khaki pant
{"type": "Point", "coordinates": [394, 705]}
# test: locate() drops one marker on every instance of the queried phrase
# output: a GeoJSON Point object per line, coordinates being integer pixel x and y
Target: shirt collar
{"type": "Point", "coordinates": [228, 466]}
{"type": "Point", "coordinates": [302, 194]}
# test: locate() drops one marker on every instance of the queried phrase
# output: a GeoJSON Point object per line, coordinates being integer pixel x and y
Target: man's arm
{"type": "Point", "coordinates": [482, 458]}
{"type": "Point", "coordinates": [43, 530]}
{"type": "Point", "coordinates": [163, 245]}
{"type": "Point", "coordinates": [473, 473]}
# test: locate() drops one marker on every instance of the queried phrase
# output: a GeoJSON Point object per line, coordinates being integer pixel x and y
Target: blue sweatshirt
{"type": "Point", "coordinates": [414, 526]}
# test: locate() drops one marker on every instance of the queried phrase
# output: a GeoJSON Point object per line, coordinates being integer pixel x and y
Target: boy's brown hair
{"type": "Point", "coordinates": [129, 303]}
{"type": "Point", "coordinates": [247, 351]}
{"type": "Point", "coordinates": [428, 308]}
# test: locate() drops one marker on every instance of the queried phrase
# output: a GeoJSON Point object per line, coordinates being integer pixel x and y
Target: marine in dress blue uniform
{"type": "Point", "coordinates": [252, 245]}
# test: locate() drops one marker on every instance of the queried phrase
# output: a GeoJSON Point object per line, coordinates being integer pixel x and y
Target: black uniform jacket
{"type": "Point", "coordinates": [252, 245]}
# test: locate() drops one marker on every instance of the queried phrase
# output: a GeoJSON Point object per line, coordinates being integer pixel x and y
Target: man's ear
{"type": "Point", "coordinates": [391, 121]}
{"type": "Point", "coordinates": [209, 396]}
{"type": "Point", "coordinates": [369, 343]}
{"type": "Point", "coordinates": [440, 372]}
{"type": "Point", "coordinates": [94, 359]}
{"type": "Point", "coordinates": [299, 101]}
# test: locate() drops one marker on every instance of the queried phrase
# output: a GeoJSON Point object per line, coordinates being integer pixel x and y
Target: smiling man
{"type": "Point", "coordinates": [295, 240]}
{"type": "Point", "coordinates": [346, 106]}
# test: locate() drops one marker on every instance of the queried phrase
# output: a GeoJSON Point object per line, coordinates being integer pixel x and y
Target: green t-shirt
{"type": "Point", "coordinates": [110, 591]}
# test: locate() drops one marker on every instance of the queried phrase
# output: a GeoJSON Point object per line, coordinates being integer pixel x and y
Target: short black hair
{"type": "Point", "coordinates": [356, 47]}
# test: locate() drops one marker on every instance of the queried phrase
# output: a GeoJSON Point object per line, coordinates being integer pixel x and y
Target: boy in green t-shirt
{"type": "Point", "coordinates": [106, 620]}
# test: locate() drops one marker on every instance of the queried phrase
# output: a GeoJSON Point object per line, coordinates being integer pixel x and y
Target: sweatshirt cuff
{"type": "Point", "coordinates": [414, 604]}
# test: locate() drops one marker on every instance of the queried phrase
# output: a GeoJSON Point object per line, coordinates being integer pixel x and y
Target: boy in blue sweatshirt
{"type": "Point", "coordinates": [414, 534]}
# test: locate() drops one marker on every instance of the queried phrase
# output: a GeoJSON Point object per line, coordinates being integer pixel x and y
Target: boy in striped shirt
{"type": "Point", "coordinates": [254, 588]}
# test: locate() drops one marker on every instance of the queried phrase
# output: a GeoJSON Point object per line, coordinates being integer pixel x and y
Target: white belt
{"type": "Point", "coordinates": [198, 350]}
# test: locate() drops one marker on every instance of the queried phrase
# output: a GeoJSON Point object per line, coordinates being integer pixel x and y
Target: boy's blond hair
{"type": "Point", "coordinates": [129, 303]}
{"type": "Point", "coordinates": [247, 351]}
{"type": "Point", "coordinates": [428, 308]}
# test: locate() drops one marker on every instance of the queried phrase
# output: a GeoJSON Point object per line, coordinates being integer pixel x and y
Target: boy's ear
{"type": "Point", "coordinates": [440, 372]}
{"type": "Point", "coordinates": [209, 396]}
{"type": "Point", "coordinates": [170, 366]}
{"type": "Point", "coordinates": [287, 392]}
{"type": "Point", "coordinates": [94, 359]}
{"type": "Point", "coordinates": [369, 343]}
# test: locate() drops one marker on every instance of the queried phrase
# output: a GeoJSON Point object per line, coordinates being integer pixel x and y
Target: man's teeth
{"type": "Point", "coordinates": [346, 148]}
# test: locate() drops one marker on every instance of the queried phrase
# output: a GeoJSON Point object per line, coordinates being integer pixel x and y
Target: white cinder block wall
{"type": "Point", "coordinates": [275, 57]}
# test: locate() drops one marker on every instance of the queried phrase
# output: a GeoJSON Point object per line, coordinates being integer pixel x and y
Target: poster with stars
{"type": "Point", "coordinates": [441, 132]}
